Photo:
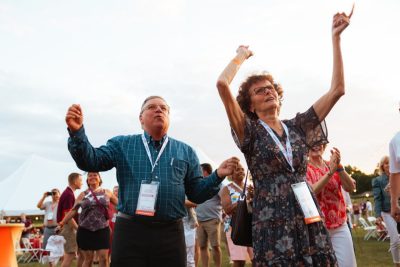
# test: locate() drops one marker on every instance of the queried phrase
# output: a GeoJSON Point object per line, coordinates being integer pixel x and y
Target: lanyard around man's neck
{"type": "Point", "coordinates": [146, 146]}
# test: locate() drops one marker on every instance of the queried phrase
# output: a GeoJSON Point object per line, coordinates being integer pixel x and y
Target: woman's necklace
{"type": "Point", "coordinates": [319, 165]}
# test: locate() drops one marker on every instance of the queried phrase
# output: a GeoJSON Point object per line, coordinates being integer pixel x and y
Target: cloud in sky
{"type": "Point", "coordinates": [108, 56]}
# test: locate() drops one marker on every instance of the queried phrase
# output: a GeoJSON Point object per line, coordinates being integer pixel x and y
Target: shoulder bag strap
{"type": "Point", "coordinates": [243, 195]}
{"type": "Point", "coordinates": [99, 204]}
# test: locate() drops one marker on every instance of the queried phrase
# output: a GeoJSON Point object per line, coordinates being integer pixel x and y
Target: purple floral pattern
{"type": "Point", "coordinates": [280, 235]}
{"type": "Point", "coordinates": [92, 216]}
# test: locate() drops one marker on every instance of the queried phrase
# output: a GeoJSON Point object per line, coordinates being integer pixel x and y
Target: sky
{"type": "Point", "coordinates": [108, 56]}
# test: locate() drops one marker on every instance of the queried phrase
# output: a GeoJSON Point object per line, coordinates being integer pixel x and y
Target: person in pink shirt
{"type": "Point", "coordinates": [327, 179]}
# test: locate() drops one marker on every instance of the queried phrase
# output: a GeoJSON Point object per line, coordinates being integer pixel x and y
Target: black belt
{"type": "Point", "coordinates": [146, 220]}
{"type": "Point", "coordinates": [51, 227]}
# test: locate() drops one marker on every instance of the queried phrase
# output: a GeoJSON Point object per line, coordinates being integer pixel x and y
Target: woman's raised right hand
{"type": "Point", "coordinates": [244, 51]}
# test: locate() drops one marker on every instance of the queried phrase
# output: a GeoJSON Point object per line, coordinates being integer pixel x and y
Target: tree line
{"type": "Point", "coordinates": [362, 179]}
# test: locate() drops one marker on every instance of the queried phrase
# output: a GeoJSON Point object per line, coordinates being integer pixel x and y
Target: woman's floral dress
{"type": "Point", "coordinates": [280, 235]}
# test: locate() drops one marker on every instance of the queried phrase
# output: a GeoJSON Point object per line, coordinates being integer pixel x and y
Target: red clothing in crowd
{"type": "Point", "coordinates": [330, 198]}
{"type": "Point", "coordinates": [27, 223]}
{"type": "Point", "coordinates": [65, 204]}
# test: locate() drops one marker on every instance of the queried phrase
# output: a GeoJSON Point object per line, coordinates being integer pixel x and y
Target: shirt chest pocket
{"type": "Point", "coordinates": [178, 171]}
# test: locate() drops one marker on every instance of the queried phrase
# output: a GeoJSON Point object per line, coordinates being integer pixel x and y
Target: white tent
{"type": "Point", "coordinates": [22, 190]}
{"type": "Point", "coordinates": [204, 158]}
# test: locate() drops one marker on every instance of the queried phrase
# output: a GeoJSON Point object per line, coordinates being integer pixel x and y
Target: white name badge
{"type": "Point", "coordinates": [50, 216]}
{"type": "Point", "coordinates": [147, 198]}
{"type": "Point", "coordinates": [307, 204]}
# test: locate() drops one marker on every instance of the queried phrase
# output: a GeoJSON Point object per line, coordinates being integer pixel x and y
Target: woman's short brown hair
{"type": "Point", "coordinates": [244, 97]}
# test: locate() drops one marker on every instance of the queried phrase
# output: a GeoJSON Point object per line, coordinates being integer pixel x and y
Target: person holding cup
{"type": "Point", "coordinates": [50, 214]}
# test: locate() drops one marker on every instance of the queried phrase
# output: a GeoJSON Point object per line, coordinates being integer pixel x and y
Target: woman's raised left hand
{"type": "Point", "coordinates": [340, 22]}
{"type": "Point", "coordinates": [335, 160]}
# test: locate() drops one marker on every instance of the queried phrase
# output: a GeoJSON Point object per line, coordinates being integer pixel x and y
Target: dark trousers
{"type": "Point", "coordinates": [145, 244]}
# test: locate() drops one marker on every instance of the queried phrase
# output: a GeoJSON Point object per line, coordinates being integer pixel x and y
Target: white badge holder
{"type": "Point", "coordinates": [307, 204]}
{"type": "Point", "coordinates": [147, 198]}
{"type": "Point", "coordinates": [50, 217]}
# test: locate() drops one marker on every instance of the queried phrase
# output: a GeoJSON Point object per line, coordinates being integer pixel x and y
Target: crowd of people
{"type": "Point", "coordinates": [206, 225]}
{"type": "Point", "coordinates": [170, 210]}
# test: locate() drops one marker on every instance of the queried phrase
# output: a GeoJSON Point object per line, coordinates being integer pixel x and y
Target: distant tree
{"type": "Point", "coordinates": [362, 179]}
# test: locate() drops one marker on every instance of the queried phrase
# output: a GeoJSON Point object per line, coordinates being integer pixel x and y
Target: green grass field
{"type": "Point", "coordinates": [371, 253]}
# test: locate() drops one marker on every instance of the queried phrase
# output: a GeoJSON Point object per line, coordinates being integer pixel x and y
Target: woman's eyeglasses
{"type": "Point", "coordinates": [263, 90]}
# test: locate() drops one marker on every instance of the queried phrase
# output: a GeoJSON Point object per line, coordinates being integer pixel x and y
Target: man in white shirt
{"type": "Point", "coordinates": [394, 168]}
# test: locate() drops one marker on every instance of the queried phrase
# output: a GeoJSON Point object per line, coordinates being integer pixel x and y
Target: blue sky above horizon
{"type": "Point", "coordinates": [108, 56]}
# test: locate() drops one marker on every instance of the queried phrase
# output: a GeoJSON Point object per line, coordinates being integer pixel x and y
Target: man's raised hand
{"type": "Point", "coordinates": [74, 117]}
{"type": "Point", "coordinates": [227, 167]}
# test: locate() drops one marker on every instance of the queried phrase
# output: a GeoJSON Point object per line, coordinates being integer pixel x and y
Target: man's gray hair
{"type": "Point", "coordinates": [150, 98]}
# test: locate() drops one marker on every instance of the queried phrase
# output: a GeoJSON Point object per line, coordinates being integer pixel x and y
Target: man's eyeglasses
{"type": "Point", "coordinates": [263, 90]}
{"type": "Point", "coordinates": [153, 107]}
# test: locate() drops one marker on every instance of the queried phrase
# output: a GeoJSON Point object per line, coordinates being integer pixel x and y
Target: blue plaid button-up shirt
{"type": "Point", "coordinates": [178, 171]}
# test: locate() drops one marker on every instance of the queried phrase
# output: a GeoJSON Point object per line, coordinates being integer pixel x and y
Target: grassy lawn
{"type": "Point", "coordinates": [371, 253]}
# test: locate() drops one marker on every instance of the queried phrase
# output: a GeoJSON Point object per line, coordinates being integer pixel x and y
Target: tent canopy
{"type": "Point", "coordinates": [22, 190]}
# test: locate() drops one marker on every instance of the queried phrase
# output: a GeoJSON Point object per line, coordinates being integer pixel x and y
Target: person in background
{"type": "Point", "coordinates": [55, 245]}
{"type": "Point", "coordinates": [349, 207]}
{"type": "Point", "coordinates": [368, 207]}
{"type": "Point", "coordinates": [190, 224]}
{"type": "Point", "coordinates": [112, 213]}
{"type": "Point", "coordinates": [327, 179]}
{"type": "Point", "coordinates": [394, 179]}
{"type": "Point", "coordinates": [356, 213]}
{"type": "Point", "coordinates": [28, 226]}
{"type": "Point", "coordinates": [382, 208]}
{"type": "Point", "coordinates": [230, 195]}
{"type": "Point", "coordinates": [113, 209]}
{"type": "Point", "coordinates": [209, 216]}
{"type": "Point", "coordinates": [225, 217]}
{"type": "Point", "coordinates": [50, 213]}
{"type": "Point", "coordinates": [93, 231]}
{"type": "Point", "coordinates": [65, 204]}
{"type": "Point", "coordinates": [363, 206]}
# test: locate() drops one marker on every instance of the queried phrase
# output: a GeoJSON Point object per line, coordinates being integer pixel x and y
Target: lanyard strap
{"type": "Point", "coordinates": [287, 153]}
{"type": "Point", "coordinates": [237, 186]}
{"type": "Point", "coordinates": [146, 146]}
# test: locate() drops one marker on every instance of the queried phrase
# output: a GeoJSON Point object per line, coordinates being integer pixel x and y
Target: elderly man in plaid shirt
{"type": "Point", "coordinates": [154, 173]}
